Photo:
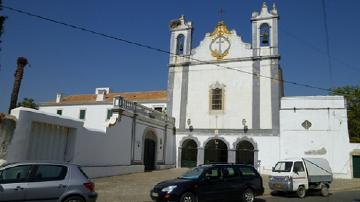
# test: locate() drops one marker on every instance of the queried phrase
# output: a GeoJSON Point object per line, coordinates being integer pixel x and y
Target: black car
{"type": "Point", "coordinates": [216, 182]}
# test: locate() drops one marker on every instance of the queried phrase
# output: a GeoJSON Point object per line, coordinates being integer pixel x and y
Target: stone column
{"type": "Point", "coordinates": [231, 156]}
{"type": "Point", "coordinates": [179, 157]}
{"type": "Point", "coordinates": [200, 156]}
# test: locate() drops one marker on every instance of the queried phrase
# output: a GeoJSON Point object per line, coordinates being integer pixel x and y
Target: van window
{"type": "Point", "coordinates": [283, 166]}
{"type": "Point", "coordinates": [299, 166]}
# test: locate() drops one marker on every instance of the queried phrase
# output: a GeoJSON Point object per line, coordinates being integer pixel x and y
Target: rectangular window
{"type": "Point", "coordinates": [216, 99]}
{"type": "Point", "coordinates": [15, 174]}
{"type": "Point", "coordinates": [298, 166]}
{"type": "Point", "coordinates": [49, 173]}
{"type": "Point", "coordinates": [82, 114]}
{"type": "Point", "coordinates": [59, 111]}
{"type": "Point", "coordinates": [247, 171]}
{"type": "Point", "coordinates": [158, 109]}
{"type": "Point", "coordinates": [229, 172]}
{"type": "Point", "coordinates": [109, 114]}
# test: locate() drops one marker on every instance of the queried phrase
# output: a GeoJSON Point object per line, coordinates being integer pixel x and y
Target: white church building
{"type": "Point", "coordinates": [228, 101]}
{"type": "Point", "coordinates": [227, 98]}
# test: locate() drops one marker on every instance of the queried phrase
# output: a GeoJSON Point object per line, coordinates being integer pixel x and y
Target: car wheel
{"type": "Point", "coordinates": [188, 197]}
{"type": "Point", "coordinates": [74, 199]}
{"type": "Point", "coordinates": [301, 192]}
{"type": "Point", "coordinates": [324, 190]}
{"type": "Point", "coordinates": [248, 195]}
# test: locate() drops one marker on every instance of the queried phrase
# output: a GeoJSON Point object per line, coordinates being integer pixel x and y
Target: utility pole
{"type": "Point", "coordinates": [21, 63]}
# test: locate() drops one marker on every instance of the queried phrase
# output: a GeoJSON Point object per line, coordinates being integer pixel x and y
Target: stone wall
{"type": "Point", "coordinates": [7, 126]}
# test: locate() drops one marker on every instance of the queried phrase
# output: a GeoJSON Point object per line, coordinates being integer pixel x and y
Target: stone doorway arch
{"type": "Point", "coordinates": [245, 153]}
{"type": "Point", "coordinates": [189, 153]}
{"type": "Point", "coordinates": [149, 150]}
{"type": "Point", "coordinates": [216, 151]}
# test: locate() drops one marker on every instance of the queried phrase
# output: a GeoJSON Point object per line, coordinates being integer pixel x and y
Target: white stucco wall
{"type": "Point", "coordinates": [96, 114]}
{"type": "Point", "coordinates": [237, 96]}
{"type": "Point", "coordinates": [326, 138]}
{"type": "Point", "coordinates": [95, 117]}
{"type": "Point", "coordinates": [101, 153]}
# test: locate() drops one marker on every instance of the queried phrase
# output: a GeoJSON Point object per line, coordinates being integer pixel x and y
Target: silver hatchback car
{"type": "Point", "coordinates": [46, 182]}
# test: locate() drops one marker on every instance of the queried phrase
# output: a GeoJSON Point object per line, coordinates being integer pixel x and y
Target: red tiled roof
{"type": "Point", "coordinates": [132, 96]}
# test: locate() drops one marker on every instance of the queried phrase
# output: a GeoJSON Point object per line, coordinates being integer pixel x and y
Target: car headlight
{"type": "Point", "coordinates": [169, 189]}
{"type": "Point", "coordinates": [287, 178]}
{"type": "Point", "coordinates": [271, 178]}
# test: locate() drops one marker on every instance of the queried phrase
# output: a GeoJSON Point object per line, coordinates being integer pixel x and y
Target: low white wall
{"type": "Point", "coordinates": [326, 138]}
{"type": "Point", "coordinates": [100, 153]}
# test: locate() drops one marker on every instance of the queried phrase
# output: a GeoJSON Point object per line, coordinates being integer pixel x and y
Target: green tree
{"type": "Point", "coordinates": [29, 103]}
{"type": "Point", "coordinates": [352, 96]}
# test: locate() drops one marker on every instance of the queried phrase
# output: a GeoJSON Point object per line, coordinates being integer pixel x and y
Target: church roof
{"type": "Point", "coordinates": [145, 96]}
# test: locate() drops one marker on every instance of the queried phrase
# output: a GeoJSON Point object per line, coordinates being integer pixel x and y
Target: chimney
{"type": "Point", "coordinates": [59, 97]}
{"type": "Point", "coordinates": [100, 93]}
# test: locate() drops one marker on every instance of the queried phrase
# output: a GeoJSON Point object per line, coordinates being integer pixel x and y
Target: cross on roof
{"type": "Point", "coordinates": [221, 13]}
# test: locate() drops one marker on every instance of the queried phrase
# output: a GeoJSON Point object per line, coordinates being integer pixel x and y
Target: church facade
{"type": "Point", "coordinates": [227, 98]}
{"type": "Point", "coordinates": [228, 101]}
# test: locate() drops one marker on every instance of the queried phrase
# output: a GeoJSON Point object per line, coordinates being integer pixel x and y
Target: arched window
{"type": "Point", "coordinates": [216, 96]}
{"type": "Point", "coordinates": [264, 35]}
{"type": "Point", "coordinates": [216, 99]}
{"type": "Point", "coordinates": [180, 44]}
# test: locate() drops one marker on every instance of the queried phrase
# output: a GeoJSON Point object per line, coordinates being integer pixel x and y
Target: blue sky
{"type": "Point", "coordinates": [74, 62]}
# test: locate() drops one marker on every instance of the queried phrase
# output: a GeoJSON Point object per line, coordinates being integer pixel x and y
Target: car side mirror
{"type": "Point", "coordinates": [273, 169]}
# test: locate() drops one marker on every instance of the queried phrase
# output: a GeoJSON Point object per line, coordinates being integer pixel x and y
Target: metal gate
{"type": "Point", "coordinates": [215, 152]}
{"type": "Point", "coordinates": [48, 142]}
{"type": "Point", "coordinates": [356, 166]}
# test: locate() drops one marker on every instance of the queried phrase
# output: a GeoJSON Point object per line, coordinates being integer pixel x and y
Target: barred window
{"type": "Point", "coordinates": [217, 99]}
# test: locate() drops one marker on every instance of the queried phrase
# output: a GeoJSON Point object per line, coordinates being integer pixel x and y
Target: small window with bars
{"type": "Point", "coordinates": [217, 99]}
{"type": "Point", "coordinates": [82, 114]}
{"type": "Point", "coordinates": [109, 114]}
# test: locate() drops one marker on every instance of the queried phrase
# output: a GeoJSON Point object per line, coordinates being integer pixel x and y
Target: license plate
{"type": "Point", "coordinates": [279, 186]}
{"type": "Point", "coordinates": [154, 194]}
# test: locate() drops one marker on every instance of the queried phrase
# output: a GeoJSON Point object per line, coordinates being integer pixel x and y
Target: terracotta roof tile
{"type": "Point", "coordinates": [132, 96]}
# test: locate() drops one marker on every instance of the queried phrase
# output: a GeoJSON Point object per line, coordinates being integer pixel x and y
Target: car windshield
{"type": "Point", "coordinates": [192, 174]}
{"type": "Point", "coordinates": [284, 166]}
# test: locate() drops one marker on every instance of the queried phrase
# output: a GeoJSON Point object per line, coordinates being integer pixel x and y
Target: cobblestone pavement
{"type": "Point", "coordinates": [135, 187]}
{"type": "Point", "coordinates": [132, 187]}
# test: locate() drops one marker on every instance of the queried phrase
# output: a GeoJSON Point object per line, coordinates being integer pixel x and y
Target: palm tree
{"type": "Point", "coordinates": [2, 20]}
{"type": "Point", "coordinates": [21, 63]}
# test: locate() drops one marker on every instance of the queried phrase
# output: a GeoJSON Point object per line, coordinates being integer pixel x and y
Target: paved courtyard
{"type": "Point", "coordinates": [135, 187]}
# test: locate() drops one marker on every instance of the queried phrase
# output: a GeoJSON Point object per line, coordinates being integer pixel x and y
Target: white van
{"type": "Point", "coordinates": [300, 175]}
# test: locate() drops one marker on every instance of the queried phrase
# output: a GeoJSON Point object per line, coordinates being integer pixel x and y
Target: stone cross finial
{"type": "Point", "coordinates": [274, 10]}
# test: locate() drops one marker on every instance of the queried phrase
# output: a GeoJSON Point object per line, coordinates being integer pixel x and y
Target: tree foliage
{"type": "Point", "coordinates": [29, 103]}
{"type": "Point", "coordinates": [352, 96]}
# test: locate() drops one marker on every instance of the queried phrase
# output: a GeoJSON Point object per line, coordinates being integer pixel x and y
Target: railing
{"type": "Point", "coordinates": [141, 109]}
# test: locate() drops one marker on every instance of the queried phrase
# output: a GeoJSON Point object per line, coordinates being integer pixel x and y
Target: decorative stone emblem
{"type": "Point", "coordinates": [306, 124]}
{"type": "Point", "coordinates": [220, 45]}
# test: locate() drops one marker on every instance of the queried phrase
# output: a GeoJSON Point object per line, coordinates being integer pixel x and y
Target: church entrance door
{"type": "Point", "coordinates": [245, 153]}
{"type": "Point", "coordinates": [149, 151]}
{"type": "Point", "coordinates": [189, 153]}
{"type": "Point", "coordinates": [216, 151]}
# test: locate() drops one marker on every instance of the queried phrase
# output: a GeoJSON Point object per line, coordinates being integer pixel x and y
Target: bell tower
{"type": "Point", "coordinates": [267, 79]}
{"type": "Point", "coordinates": [180, 51]}
{"type": "Point", "coordinates": [265, 31]}
{"type": "Point", "coordinates": [180, 40]}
